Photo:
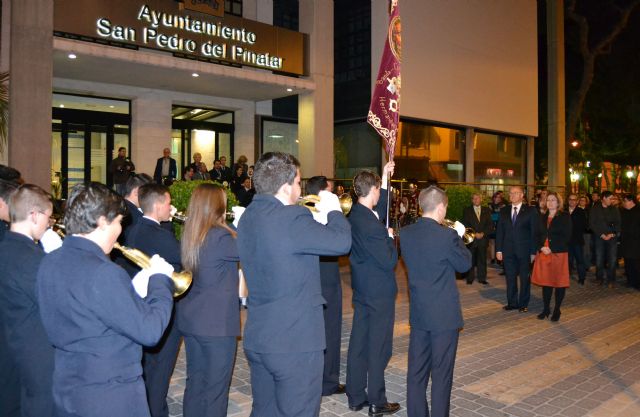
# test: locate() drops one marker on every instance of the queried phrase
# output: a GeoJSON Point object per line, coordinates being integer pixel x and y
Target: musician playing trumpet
{"type": "Point", "coordinates": [92, 314]}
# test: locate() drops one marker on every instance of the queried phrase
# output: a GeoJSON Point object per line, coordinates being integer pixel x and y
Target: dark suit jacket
{"type": "Point", "coordinates": [578, 226]}
{"type": "Point", "coordinates": [279, 247]}
{"type": "Point", "coordinates": [373, 253]}
{"type": "Point", "coordinates": [26, 339]}
{"type": "Point", "coordinates": [132, 217]}
{"type": "Point", "coordinates": [433, 254]}
{"type": "Point", "coordinates": [151, 238]}
{"type": "Point", "coordinates": [484, 225]}
{"type": "Point", "coordinates": [245, 197]}
{"type": "Point", "coordinates": [211, 308]}
{"type": "Point", "coordinates": [216, 175]}
{"type": "Point", "coordinates": [173, 170]}
{"type": "Point", "coordinates": [226, 174]}
{"type": "Point", "coordinates": [520, 239]}
{"type": "Point", "coordinates": [4, 228]}
{"type": "Point", "coordinates": [630, 233]}
{"type": "Point", "coordinates": [97, 324]}
{"type": "Point", "coordinates": [558, 232]}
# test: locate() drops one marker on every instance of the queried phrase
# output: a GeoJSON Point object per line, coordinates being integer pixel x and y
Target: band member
{"type": "Point", "coordinates": [134, 214]}
{"type": "Point", "coordinates": [373, 260]}
{"type": "Point", "coordinates": [479, 219]}
{"type": "Point", "coordinates": [9, 383]}
{"type": "Point", "coordinates": [279, 243]}
{"type": "Point", "coordinates": [26, 339]}
{"type": "Point", "coordinates": [516, 245]}
{"type": "Point", "coordinates": [332, 293]}
{"type": "Point", "coordinates": [150, 237]}
{"type": "Point", "coordinates": [208, 316]}
{"type": "Point", "coordinates": [433, 254]}
{"type": "Point", "coordinates": [92, 315]}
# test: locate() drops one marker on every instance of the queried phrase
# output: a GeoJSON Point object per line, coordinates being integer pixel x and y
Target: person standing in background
{"type": "Point", "coordinates": [121, 169]}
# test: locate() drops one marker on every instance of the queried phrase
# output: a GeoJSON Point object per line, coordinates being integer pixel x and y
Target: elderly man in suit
{"type": "Point", "coordinates": [479, 219]}
{"type": "Point", "coordinates": [151, 238]}
{"type": "Point", "coordinates": [433, 254]}
{"type": "Point", "coordinates": [93, 316]}
{"type": "Point", "coordinates": [279, 244]}
{"type": "Point", "coordinates": [24, 339]}
{"type": "Point", "coordinates": [516, 246]}
{"type": "Point", "coordinates": [166, 169]}
{"type": "Point", "coordinates": [373, 259]}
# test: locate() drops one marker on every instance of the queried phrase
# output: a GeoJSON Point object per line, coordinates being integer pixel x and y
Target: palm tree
{"type": "Point", "coordinates": [4, 110]}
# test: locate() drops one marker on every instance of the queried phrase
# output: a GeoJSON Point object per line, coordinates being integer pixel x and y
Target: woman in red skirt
{"type": "Point", "coordinates": [551, 267]}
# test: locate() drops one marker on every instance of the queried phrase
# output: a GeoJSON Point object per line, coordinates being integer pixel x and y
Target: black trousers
{"type": "Point", "coordinates": [370, 349]}
{"type": "Point", "coordinates": [518, 266]}
{"type": "Point", "coordinates": [432, 354]}
{"type": "Point", "coordinates": [632, 268]}
{"type": "Point", "coordinates": [478, 269]}
{"type": "Point", "coordinates": [576, 254]}
{"type": "Point", "coordinates": [285, 384]}
{"type": "Point", "coordinates": [332, 293]}
{"type": "Point", "coordinates": [209, 369]}
{"type": "Point", "coordinates": [157, 364]}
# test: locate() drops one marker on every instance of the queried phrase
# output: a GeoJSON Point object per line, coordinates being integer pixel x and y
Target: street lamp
{"type": "Point", "coordinates": [630, 174]}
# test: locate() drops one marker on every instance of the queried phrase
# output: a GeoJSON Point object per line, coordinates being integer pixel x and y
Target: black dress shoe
{"type": "Point", "coordinates": [523, 309]}
{"type": "Point", "coordinates": [508, 308]}
{"type": "Point", "coordinates": [543, 315]}
{"type": "Point", "coordinates": [379, 410]}
{"type": "Point", "coordinates": [484, 282]}
{"type": "Point", "coordinates": [556, 315]}
{"type": "Point", "coordinates": [469, 282]}
{"type": "Point", "coordinates": [358, 407]}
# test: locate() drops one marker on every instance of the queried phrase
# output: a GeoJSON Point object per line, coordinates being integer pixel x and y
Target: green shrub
{"type": "Point", "coordinates": [459, 198]}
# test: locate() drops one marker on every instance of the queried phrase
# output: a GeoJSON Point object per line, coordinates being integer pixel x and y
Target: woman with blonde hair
{"type": "Point", "coordinates": [551, 267]}
{"type": "Point", "coordinates": [209, 315]}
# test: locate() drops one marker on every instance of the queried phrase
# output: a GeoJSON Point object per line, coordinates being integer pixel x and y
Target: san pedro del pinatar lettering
{"type": "Point", "coordinates": [218, 47]}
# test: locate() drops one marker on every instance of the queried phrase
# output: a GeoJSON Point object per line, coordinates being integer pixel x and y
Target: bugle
{"type": "Point", "coordinates": [310, 200]}
{"type": "Point", "coordinates": [469, 234]}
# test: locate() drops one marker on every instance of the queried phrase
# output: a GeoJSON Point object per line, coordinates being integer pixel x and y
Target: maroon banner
{"type": "Point", "coordinates": [384, 111]}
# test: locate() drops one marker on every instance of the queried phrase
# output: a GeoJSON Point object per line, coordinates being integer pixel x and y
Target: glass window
{"type": "Point", "coordinates": [233, 7]}
{"type": "Point", "coordinates": [280, 136]}
{"type": "Point", "coordinates": [356, 146]}
{"type": "Point", "coordinates": [67, 101]}
{"type": "Point", "coordinates": [201, 114]}
{"type": "Point", "coordinates": [427, 152]}
{"type": "Point", "coordinates": [499, 159]}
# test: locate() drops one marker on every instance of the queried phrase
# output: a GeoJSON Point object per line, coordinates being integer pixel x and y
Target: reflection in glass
{"type": "Point", "coordinates": [499, 159]}
{"type": "Point", "coordinates": [75, 156]}
{"type": "Point", "coordinates": [98, 154]}
{"type": "Point", "coordinates": [280, 137]}
{"type": "Point", "coordinates": [356, 146]}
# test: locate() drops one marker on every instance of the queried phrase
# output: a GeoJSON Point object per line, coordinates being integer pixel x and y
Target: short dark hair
{"type": "Point", "coordinates": [273, 170]}
{"type": "Point", "coordinates": [87, 203]}
{"type": "Point", "coordinates": [430, 197]}
{"type": "Point", "coordinates": [121, 148]}
{"type": "Point", "coordinates": [605, 194]}
{"type": "Point", "coordinates": [7, 188]}
{"type": "Point", "coordinates": [316, 184]}
{"type": "Point", "coordinates": [216, 160]}
{"type": "Point", "coordinates": [149, 194]}
{"type": "Point", "coordinates": [10, 174]}
{"type": "Point", "coordinates": [135, 181]}
{"type": "Point", "coordinates": [27, 198]}
{"type": "Point", "coordinates": [629, 197]}
{"type": "Point", "coordinates": [364, 181]}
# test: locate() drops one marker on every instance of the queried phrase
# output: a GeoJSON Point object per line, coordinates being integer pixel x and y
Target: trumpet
{"type": "Point", "coordinates": [310, 200]}
{"type": "Point", "coordinates": [469, 234]}
{"type": "Point", "coordinates": [181, 280]}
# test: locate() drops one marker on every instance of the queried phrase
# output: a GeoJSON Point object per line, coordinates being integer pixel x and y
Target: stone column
{"type": "Point", "coordinates": [315, 109]}
{"type": "Point", "coordinates": [469, 159]}
{"type": "Point", "coordinates": [31, 72]}
{"type": "Point", "coordinates": [557, 155]}
{"type": "Point", "coordinates": [150, 131]}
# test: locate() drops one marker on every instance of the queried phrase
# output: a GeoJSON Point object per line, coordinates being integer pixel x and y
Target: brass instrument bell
{"type": "Point", "coordinates": [310, 200]}
{"type": "Point", "coordinates": [469, 234]}
{"type": "Point", "coordinates": [181, 280]}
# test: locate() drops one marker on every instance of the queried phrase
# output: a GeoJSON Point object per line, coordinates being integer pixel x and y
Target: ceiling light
{"type": "Point", "coordinates": [111, 106]}
{"type": "Point", "coordinates": [289, 90]}
{"type": "Point", "coordinates": [194, 111]}
{"type": "Point", "coordinates": [61, 106]}
{"type": "Point", "coordinates": [195, 75]}
{"type": "Point", "coordinates": [276, 136]}
{"type": "Point", "coordinates": [297, 141]}
{"type": "Point", "coordinates": [72, 56]}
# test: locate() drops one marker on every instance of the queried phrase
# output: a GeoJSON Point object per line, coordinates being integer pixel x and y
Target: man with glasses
{"type": "Point", "coordinates": [516, 246]}
{"type": "Point", "coordinates": [576, 243]}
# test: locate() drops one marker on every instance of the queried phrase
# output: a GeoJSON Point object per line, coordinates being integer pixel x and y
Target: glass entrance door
{"type": "Point", "coordinates": [209, 143]}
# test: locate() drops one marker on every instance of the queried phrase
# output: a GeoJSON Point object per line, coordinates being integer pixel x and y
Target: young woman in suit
{"type": "Point", "coordinates": [551, 268]}
{"type": "Point", "coordinates": [209, 315]}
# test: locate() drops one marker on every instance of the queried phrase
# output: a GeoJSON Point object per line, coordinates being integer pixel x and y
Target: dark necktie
{"type": "Point", "coordinates": [515, 215]}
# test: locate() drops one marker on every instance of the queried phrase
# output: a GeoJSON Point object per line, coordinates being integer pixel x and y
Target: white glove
{"type": "Point", "coordinates": [141, 282]}
{"type": "Point", "coordinates": [160, 266]}
{"type": "Point", "coordinates": [237, 213]}
{"type": "Point", "coordinates": [460, 229]}
{"type": "Point", "coordinates": [173, 211]}
{"type": "Point", "coordinates": [50, 241]}
{"type": "Point", "coordinates": [328, 202]}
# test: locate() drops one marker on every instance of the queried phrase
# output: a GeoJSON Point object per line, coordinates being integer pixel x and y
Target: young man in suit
{"type": "Point", "coordinates": [166, 169]}
{"type": "Point", "coordinates": [26, 341]}
{"type": "Point", "coordinates": [93, 316]}
{"type": "Point", "coordinates": [576, 243]}
{"type": "Point", "coordinates": [630, 240]}
{"type": "Point", "coordinates": [373, 260]}
{"type": "Point", "coordinates": [151, 238]}
{"type": "Point", "coordinates": [279, 243]}
{"type": "Point", "coordinates": [479, 219]}
{"type": "Point", "coordinates": [216, 172]}
{"type": "Point", "coordinates": [332, 293]}
{"type": "Point", "coordinates": [226, 171]}
{"type": "Point", "coordinates": [516, 246]}
{"type": "Point", "coordinates": [604, 221]}
{"type": "Point", "coordinates": [433, 254]}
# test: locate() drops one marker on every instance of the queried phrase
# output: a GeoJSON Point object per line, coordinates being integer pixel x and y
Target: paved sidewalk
{"type": "Point", "coordinates": [509, 363]}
